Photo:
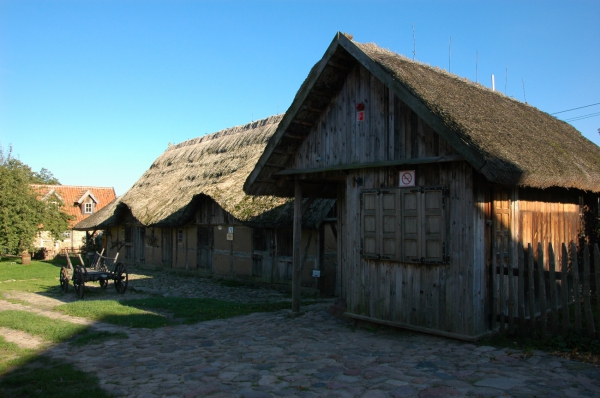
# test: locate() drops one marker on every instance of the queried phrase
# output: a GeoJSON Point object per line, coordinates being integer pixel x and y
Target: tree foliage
{"type": "Point", "coordinates": [22, 214]}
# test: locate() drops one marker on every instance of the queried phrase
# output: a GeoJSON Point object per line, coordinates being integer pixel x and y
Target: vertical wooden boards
{"type": "Point", "coordinates": [390, 129]}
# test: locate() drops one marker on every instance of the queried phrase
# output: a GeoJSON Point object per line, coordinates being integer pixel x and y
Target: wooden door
{"type": "Point", "coordinates": [167, 246]}
{"type": "Point", "coordinates": [140, 245]}
{"type": "Point", "coordinates": [204, 248]}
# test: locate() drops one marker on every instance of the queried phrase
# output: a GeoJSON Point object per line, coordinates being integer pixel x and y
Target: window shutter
{"type": "Point", "coordinates": [433, 226]}
{"type": "Point", "coordinates": [405, 225]}
{"type": "Point", "coordinates": [389, 225]}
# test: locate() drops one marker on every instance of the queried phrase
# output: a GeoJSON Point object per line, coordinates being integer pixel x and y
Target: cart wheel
{"type": "Point", "coordinates": [103, 283]}
{"type": "Point", "coordinates": [78, 282]}
{"type": "Point", "coordinates": [64, 279]}
{"type": "Point", "coordinates": [121, 278]}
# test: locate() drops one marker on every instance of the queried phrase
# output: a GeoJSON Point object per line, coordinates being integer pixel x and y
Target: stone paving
{"type": "Point", "coordinates": [314, 355]}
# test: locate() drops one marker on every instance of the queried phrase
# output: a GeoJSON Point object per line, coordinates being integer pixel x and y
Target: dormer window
{"type": "Point", "coordinates": [88, 208]}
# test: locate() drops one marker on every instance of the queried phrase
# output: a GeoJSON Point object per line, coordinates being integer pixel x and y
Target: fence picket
{"type": "Point", "coordinates": [576, 289]}
{"type": "Point", "coordinates": [597, 277]}
{"type": "Point", "coordinates": [552, 286]}
{"type": "Point", "coordinates": [542, 290]}
{"type": "Point", "coordinates": [564, 282]}
{"type": "Point", "coordinates": [501, 284]}
{"type": "Point", "coordinates": [511, 290]}
{"type": "Point", "coordinates": [520, 290]}
{"type": "Point", "coordinates": [587, 302]}
{"type": "Point", "coordinates": [521, 264]}
{"type": "Point", "coordinates": [531, 283]}
{"type": "Point", "coordinates": [494, 282]}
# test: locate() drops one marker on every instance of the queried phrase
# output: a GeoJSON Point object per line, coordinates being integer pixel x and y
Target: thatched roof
{"type": "Point", "coordinates": [509, 142]}
{"type": "Point", "coordinates": [214, 166]}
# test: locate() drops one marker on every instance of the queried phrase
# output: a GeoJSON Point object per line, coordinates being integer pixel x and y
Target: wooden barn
{"type": "Point", "coordinates": [188, 211]}
{"type": "Point", "coordinates": [434, 176]}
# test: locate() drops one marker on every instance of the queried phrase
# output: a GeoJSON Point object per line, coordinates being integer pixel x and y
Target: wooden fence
{"type": "Point", "coordinates": [538, 292]}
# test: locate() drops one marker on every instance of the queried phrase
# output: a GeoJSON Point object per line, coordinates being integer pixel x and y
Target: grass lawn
{"type": "Point", "coordinates": [39, 276]}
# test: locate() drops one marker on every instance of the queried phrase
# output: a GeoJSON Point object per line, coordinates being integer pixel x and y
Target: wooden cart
{"type": "Point", "coordinates": [101, 269]}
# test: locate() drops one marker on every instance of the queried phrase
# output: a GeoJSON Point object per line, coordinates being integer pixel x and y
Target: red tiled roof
{"type": "Point", "coordinates": [71, 194]}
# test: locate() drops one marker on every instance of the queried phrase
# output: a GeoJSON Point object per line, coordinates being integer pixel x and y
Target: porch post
{"type": "Point", "coordinates": [297, 253]}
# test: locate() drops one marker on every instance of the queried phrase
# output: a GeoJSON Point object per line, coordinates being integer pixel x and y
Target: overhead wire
{"type": "Point", "coordinates": [574, 109]}
{"type": "Point", "coordinates": [582, 117]}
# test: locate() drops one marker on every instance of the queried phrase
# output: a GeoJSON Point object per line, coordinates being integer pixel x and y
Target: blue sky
{"type": "Point", "coordinates": [95, 91]}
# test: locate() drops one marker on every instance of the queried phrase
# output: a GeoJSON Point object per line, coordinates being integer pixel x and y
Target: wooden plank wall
{"type": "Point", "coordinates": [445, 297]}
{"type": "Point", "coordinates": [554, 219]}
{"type": "Point", "coordinates": [386, 134]}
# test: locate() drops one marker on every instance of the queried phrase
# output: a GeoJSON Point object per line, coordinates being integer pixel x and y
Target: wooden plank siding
{"type": "Point", "coordinates": [201, 247]}
{"type": "Point", "coordinates": [385, 134]}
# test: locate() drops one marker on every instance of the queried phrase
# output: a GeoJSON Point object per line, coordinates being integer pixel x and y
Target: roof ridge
{"type": "Point", "coordinates": [229, 131]}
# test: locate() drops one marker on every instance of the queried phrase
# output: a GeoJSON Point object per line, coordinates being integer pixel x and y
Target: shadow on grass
{"type": "Point", "coordinates": [33, 373]}
{"type": "Point", "coordinates": [41, 376]}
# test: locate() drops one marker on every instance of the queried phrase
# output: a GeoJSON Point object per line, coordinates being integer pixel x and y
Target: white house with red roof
{"type": "Point", "coordinates": [77, 201]}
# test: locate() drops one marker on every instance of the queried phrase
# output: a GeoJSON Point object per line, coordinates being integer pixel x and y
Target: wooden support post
{"type": "Point", "coordinates": [297, 250]}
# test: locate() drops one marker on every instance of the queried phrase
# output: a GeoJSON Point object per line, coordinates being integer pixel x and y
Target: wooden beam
{"type": "Point", "coordinates": [297, 250]}
{"type": "Point", "coordinates": [320, 93]}
{"type": "Point", "coordinates": [280, 152]}
{"type": "Point", "coordinates": [294, 136]}
{"type": "Point", "coordinates": [266, 181]}
{"type": "Point", "coordinates": [435, 159]}
{"type": "Point", "coordinates": [311, 109]}
{"type": "Point", "coordinates": [338, 66]}
{"type": "Point", "coordinates": [309, 124]}
{"type": "Point", "coordinates": [276, 165]}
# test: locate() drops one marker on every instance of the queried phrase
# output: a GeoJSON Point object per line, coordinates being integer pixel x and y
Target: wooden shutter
{"type": "Point", "coordinates": [389, 225]}
{"type": "Point", "coordinates": [410, 225]}
{"type": "Point", "coordinates": [433, 226]}
{"type": "Point", "coordinates": [369, 201]}
{"type": "Point", "coordinates": [405, 225]}
{"type": "Point", "coordinates": [423, 225]}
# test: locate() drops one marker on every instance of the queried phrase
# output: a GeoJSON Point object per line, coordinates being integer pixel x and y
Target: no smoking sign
{"type": "Point", "coordinates": [407, 178]}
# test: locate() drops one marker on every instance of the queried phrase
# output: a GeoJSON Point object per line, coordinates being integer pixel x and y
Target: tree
{"type": "Point", "coordinates": [22, 215]}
